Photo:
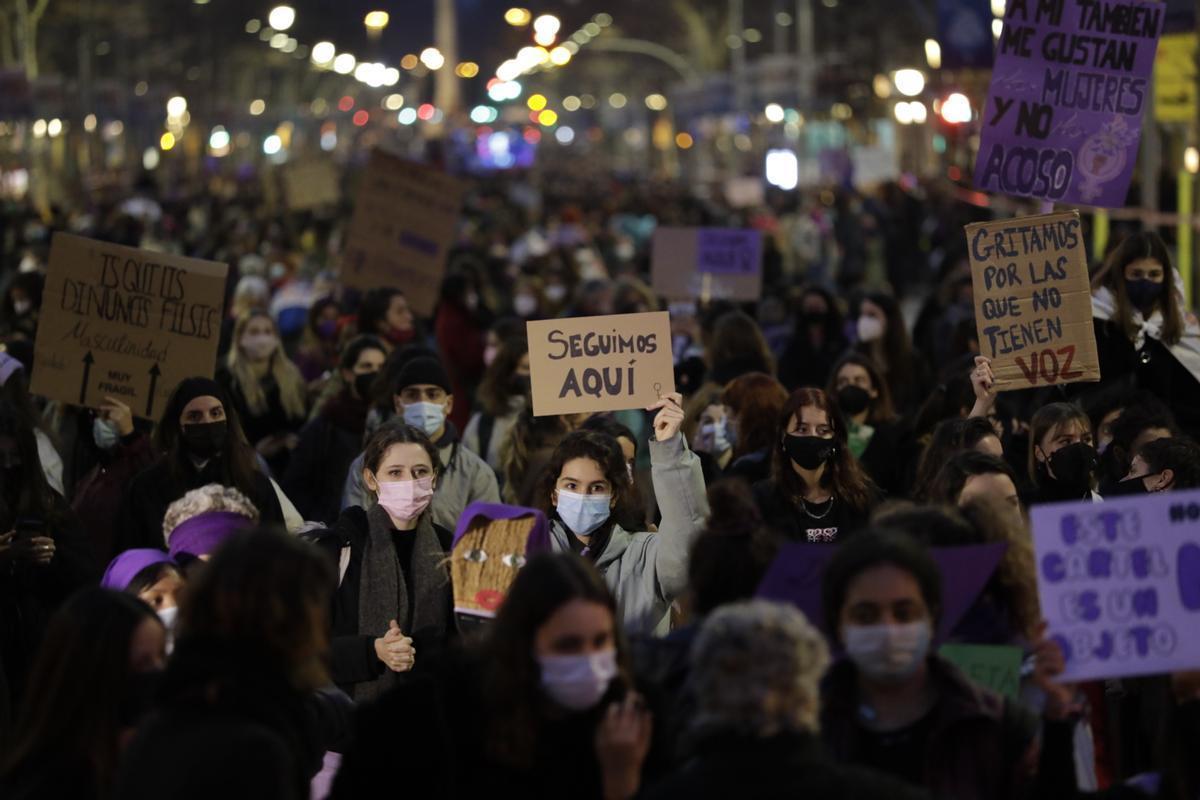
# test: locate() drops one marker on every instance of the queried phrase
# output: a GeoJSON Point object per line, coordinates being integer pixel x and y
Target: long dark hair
{"type": "Point", "coordinates": [950, 437]}
{"type": "Point", "coordinates": [511, 682]}
{"type": "Point", "coordinates": [843, 476]}
{"type": "Point", "coordinates": [78, 683]}
{"type": "Point", "coordinates": [496, 390]}
{"type": "Point", "coordinates": [1135, 247]}
{"type": "Point", "coordinates": [239, 465]}
{"type": "Point", "coordinates": [755, 401]}
{"type": "Point", "coordinates": [33, 496]}
{"type": "Point", "coordinates": [881, 409]}
{"type": "Point", "coordinates": [606, 452]}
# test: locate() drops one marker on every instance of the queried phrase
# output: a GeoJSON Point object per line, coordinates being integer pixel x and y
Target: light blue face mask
{"type": "Point", "coordinates": [428, 417]}
{"type": "Point", "coordinates": [105, 433]}
{"type": "Point", "coordinates": [583, 513]}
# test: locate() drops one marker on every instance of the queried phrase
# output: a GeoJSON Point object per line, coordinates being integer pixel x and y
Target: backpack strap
{"type": "Point", "coordinates": [487, 423]}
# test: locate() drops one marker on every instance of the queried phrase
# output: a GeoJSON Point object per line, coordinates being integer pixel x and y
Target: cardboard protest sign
{"type": "Point", "coordinates": [125, 323]}
{"type": "Point", "coordinates": [1119, 583]}
{"type": "Point", "coordinates": [1064, 112]}
{"type": "Point", "coordinates": [795, 577]}
{"type": "Point", "coordinates": [405, 220]}
{"type": "Point", "coordinates": [311, 184]}
{"type": "Point", "coordinates": [996, 667]}
{"type": "Point", "coordinates": [1033, 303]}
{"type": "Point", "coordinates": [707, 263]}
{"type": "Point", "coordinates": [744, 192]}
{"type": "Point", "coordinates": [609, 363]}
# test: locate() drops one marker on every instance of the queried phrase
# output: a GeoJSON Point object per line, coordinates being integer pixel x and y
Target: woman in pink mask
{"type": "Point", "coordinates": [393, 601]}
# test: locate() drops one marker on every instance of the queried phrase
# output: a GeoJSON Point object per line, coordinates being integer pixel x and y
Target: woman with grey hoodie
{"type": "Point", "coordinates": [586, 493]}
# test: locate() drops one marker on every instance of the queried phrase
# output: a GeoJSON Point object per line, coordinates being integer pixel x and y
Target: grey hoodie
{"type": "Point", "coordinates": [646, 571]}
{"type": "Point", "coordinates": [466, 480]}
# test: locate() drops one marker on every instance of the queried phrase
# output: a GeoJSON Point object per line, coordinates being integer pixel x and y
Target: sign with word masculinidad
{"type": "Point", "coordinates": [1119, 583]}
{"type": "Point", "coordinates": [707, 263]}
{"type": "Point", "coordinates": [1064, 111]}
{"type": "Point", "coordinates": [610, 363]}
{"type": "Point", "coordinates": [125, 323]}
{"type": "Point", "coordinates": [1033, 303]}
{"type": "Point", "coordinates": [405, 220]}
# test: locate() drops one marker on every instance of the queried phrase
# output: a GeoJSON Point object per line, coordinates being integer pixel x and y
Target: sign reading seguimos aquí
{"type": "Point", "coordinates": [125, 323]}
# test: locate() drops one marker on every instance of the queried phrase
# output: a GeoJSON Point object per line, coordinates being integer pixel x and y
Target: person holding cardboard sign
{"type": "Point", "coordinates": [585, 492]}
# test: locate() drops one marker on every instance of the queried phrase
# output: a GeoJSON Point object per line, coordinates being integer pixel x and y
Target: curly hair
{"type": "Point", "coordinates": [757, 667]}
{"type": "Point", "coordinates": [603, 449]}
{"type": "Point", "coordinates": [213, 497]}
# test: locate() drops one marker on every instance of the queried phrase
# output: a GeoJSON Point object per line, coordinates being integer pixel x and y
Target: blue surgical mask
{"type": "Point", "coordinates": [105, 433]}
{"type": "Point", "coordinates": [427, 417]}
{"type": "Point", "coordinates": [583, 513]}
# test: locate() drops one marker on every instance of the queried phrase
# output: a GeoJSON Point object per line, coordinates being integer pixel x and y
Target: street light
{"type": "Point", "coordinates": [432, 58]}
{"type": "Point", "coordinates": [956, 109]}
{"type": "Point", "coordinates": [376, 21]}
{"type": "Point", "coordinates": [909, 82]}
{"type": "Point", "coordinates": [323, 53]}
{"type": "Point", "coordinates": [281, 17]}
{"type": "Point", "coordinates": [344, 64]}
{"type": "Point", "coordinates": [517, 17]}
{"type": "Point", "coordinates": [1191, 160]}
{"type": "Point", "coordinates": [933, 53]}
{"type": "Point", "coordinates": [176, 106]}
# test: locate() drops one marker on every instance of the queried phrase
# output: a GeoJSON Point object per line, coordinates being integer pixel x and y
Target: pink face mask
{"type": "Point", "coordinates": [406, 499]}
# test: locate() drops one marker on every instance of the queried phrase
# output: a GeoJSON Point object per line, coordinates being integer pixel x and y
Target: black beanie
{"type": "Point", "coordinates": [423, 370]}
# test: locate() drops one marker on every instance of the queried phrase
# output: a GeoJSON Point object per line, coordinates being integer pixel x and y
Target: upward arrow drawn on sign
{"type": "Point", "coordinates": [154, 373]}
{"type": "Point", "coordinates": [88, 360]}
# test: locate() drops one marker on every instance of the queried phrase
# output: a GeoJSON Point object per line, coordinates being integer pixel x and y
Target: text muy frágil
{"type": "Point", "coordinates": [608, 381]}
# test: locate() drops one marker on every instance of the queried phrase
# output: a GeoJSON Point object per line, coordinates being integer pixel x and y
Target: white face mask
{"type": "Point", "coordinates": [583, 513]}
{"type": "Point", "coordinates": [259, 346]}
{"type": "Point", "coordinates": [525, 305]}
{"type": "Point", "coordinates": [428, 417]}
{"type": "Point", "coordinates": [555, 292]}
{"type": "Point", "coordinates": [22, 307]}
{"type": "Point", "coordinates": [105, 433]}
{"type": "Point", "coordinates": [869, 328]}
{"type": "Point", "coordinates": [888, 653]}
{"type": "Point", "coordinates": [578, 682]}
{"type": "Point", "coordinates": [168, 617]}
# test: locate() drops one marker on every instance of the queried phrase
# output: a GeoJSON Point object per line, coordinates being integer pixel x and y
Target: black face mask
{"type": "Point", "coordinates": [1125, 488]}
{"type": "Point", "coordinates": [206, 439]}
{"type": "Point", "coordinates": [809, 452]}
{"type": "Point", "coordinates": [363, 384]}
{"type": "Point", "coordinates": [1074, 464]}
{"type": "Point", "coordinates": [519, 384]}
{"type": "Point", "coordinates": [1143, 294]}
{"type": "Point", "coordinates": [853, 399]}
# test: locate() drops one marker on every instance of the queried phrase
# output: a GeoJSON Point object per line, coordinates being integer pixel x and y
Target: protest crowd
{"type": "Point", "coordinates": [370, 474]}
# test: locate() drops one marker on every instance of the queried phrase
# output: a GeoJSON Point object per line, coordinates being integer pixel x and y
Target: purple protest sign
{"type": "Point", "coordinates": [724, 251]}
{"type": "Point", "coordinates": [1064, 111]}
{"type": "Point", "coordinates": [1119, 583]}
{"type": "Point", "coordinates": [795, 577]}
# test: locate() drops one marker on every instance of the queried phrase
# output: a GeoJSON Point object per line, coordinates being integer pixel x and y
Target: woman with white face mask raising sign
{"type": "Point", "coordinates": [586, 494]}
{"type": "Point", "coordinates": [542, 705]}
{"type": "Point", "coordinates": [394, 599]}
{"type": "Point", "coordinates": [896, 706]}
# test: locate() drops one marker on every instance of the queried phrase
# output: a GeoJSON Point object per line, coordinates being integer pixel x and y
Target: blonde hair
{"type": "Point", "coordinates": [292, 389]}
{"type": "Point", "coordinates": [213, 497]}
{"type": "Point", "coordinates": [757, 667]}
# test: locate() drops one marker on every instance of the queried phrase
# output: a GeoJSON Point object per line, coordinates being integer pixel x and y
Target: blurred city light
{"type": "Point", "coordinates": [407, 116]}
{"type": "Point", "coordinates": [272, 145]}
{"type": "Point", "coordinates": [409, 61]}
{"type": "Point", "coordinates": [564, 135]}
{"type": "Point", "coordinates": [656, 102]}
{"type": "Point", "coordinates": [782, 169]}
{"type": "Point", "coordinates": [547, 118]}
{"type": "Point", "coordinates": [393, 102]}
{"type": "Point", "coordinates": [281, 17]}
{"type": "Point", "coordinates": [218, 141]}
{"type": "Point", "coordinates": [933, 54]}
{"type": "Point", "coordinates": [467, 69]}
{"type": "Point", "coordinates": [774, 112]}
{"type": "Point", "coordinates": [560, 56]}
{"type": "Point", "coordinates": [997, 28]}
{"type": "Point", "coordinates": [571, 103]}
{"type": "Point", "coordinates": [536, 102]}
{"type": "Point", "coordinates": [257, 107]}
{"type": "Point", "coordinates": [150, 158]}
{"type": "Point", "coordinates": [432, 58]}
{"type": "Point", "coordinates": [617, 100]}
{"type": "Point", "coordinates": [361, 118]}
{"type": "Point", "coordinates": [323, 53]}
{"type": "Point", "coordinates": [344, 64]}
{"type": "Point", "coordinates": [998, 8]}
{"type": "Point", "coordinates": [176, 106]}
{"type": "Point", "coordinates": [1191, 160]}
{"type": "Point", "coordinates": [166, 141]}
{"type": "Point", "coordinates": [956, 109]}
{"type": "Point", "coordinates": [426, 112]}
{"type": "Point", "coordinates": [279, 40]}
{"type": "Point", "coordinates": [89, 123]}
{"type": "Point", "coordinates": [547, 23]}
{"type": "Point", "coordinates": [517, 17]}
{"type": "Point", "coordinates": [909, 82]}
{"type": "Point", "coordinates": [683, 140]}
{"type": "Point", "coordinates": [376, 20]}
{"type": "Point", "coordinates": [54, 127]}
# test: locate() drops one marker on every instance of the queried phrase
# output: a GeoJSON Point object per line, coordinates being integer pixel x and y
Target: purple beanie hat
{"type": "Point", "coordinates": [125, 567]}
{"type": "Point", "coordinates": [203, 534]}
